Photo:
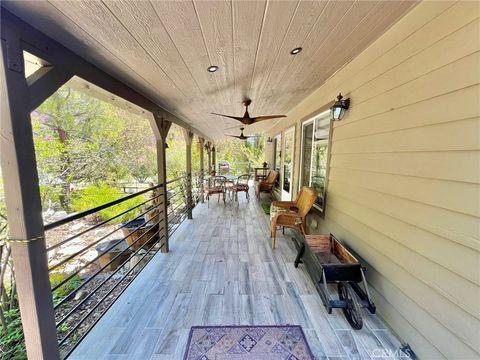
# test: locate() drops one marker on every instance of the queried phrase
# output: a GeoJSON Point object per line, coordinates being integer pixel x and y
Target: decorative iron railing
{"type": "Point", "coordinates": [91, 263]}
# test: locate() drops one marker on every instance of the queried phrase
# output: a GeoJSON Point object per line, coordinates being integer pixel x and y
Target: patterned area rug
{"type": "Point", "coordinates": [285, 342]}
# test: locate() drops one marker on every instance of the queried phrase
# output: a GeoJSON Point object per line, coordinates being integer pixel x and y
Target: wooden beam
{"type": "Point", "coordinates": [44, 82]}
{"type": "Point", "coordinates": [161, 128]}
{"type": "Point", "coordinates": [202, 168]}
{"type": "Point", "coordinates": [188, 148]}
{"type": "Point", "coordinates": [24, 210]}
{"type": "Point", "coordinates": [44, 47]}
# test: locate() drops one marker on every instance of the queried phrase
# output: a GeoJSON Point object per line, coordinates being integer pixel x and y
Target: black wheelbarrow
{"type": "Point", "coordinates": [329, 262]}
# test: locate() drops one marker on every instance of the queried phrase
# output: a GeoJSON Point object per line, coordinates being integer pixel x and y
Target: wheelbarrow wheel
{"type": "Point", "coordinates": [352, 311]}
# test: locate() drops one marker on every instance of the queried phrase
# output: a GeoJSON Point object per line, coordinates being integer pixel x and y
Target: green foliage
{"type": "Point", "coordinates": [239, 153]}
{"type": "Point", "coordinates": [50, 195]}
{"type": "Point", "coordinates": [12, 344]}
{"type": "Point", "coordinates": [96, 195]}
{"type": "Point", "coordinates": [82, 140]}
{"type": "Point", "coordinates": [57, 277]}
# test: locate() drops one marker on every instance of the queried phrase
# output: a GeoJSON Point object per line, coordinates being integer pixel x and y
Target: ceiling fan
{"type": "Point", "coordinates": [241, 136]}
{"type": "Point", "coordinates": [246, 119]}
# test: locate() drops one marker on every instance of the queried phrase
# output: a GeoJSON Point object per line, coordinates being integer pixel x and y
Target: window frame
{"type": "Point", "coordinates": [277, 141]}
{"type": "Point", "coordinates": [311, 120]}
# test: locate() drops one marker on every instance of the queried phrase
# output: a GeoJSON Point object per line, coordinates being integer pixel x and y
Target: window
{"type": "Point", "coordinates": [315, 151]}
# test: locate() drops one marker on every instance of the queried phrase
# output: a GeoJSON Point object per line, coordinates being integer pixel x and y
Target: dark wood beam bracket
{"type": "Point", "coordinates": [44, 47]}
{"type": "Point", "coordinates": [44, 82]}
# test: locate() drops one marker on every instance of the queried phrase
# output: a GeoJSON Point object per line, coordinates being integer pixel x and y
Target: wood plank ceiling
{"type": "Point", "coordinates": [163, 48]}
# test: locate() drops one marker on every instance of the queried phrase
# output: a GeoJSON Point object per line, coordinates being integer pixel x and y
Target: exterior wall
{"type": "Point", "coordinates": [403, 189]}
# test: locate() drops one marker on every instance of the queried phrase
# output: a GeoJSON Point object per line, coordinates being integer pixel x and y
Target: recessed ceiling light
{"type": "Point", "coordinates": [296, 51]}
{"type": "Point", "coordinates": [212, 68]}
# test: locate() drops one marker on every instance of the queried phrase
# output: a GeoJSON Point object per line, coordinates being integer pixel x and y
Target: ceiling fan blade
{"type": "Point", "coordinates": [232, 127]}
{"type": "Point", "coordinates": [235, 136]}
{"type": "Point", "coordinates": [228, 116]}
{"type": "Point", "coordinates": [267, 117]}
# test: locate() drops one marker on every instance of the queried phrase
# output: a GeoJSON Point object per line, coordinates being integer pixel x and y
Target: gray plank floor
{"type": "Point", "coordinates": [222, 271]}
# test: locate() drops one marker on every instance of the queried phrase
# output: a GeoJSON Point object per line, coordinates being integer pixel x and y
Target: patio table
{"type": "Point", "coordinates": [228, 177]}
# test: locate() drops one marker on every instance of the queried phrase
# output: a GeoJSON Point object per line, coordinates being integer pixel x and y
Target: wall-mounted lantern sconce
{"type": "Point", "coordinates": [339, 107]}
{"type": "Point", "coordinates": [166, 145]}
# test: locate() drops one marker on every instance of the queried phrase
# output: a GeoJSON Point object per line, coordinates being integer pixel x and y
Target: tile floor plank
{"type": "Point", "coordinates": [221, 270]}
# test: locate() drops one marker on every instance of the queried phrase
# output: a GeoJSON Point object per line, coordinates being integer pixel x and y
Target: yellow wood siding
{"type": "Point", "coordinates": [404, 182]}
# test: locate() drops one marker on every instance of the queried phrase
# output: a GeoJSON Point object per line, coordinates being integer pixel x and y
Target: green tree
{"type": "Point", "coordinates": [239, 153]}
{"type": "Point", "coordinates": [80, 140]}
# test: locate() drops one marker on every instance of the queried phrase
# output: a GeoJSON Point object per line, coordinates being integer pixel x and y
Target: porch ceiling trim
{"type": "Point", "coordinates": [42, 46]}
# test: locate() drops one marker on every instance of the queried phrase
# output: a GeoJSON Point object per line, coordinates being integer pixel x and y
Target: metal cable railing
{"type": "Point", "coordinates": [90, 269]}
{"type": "Point", "coordinates": [91, 264]}
{"type": "Point", "coordinates": [177, 206]}
{"type": "Point", "coordinates": [197, 187]}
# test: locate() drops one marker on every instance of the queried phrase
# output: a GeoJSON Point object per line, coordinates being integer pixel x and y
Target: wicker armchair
{"type": "Point", "coordinates": [266, 185]}
{"type": "Point", "coordinates": [292, 214]}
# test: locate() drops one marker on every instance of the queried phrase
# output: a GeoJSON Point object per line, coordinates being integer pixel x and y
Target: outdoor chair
{"type": "Point", "coordinates": [215, 185]}
{"type": "Point", "coordinates": [291, 214]}
{"type": "Point", "coordinates": [266, 185]}
{"type": "Point", "coordinates": [240, 184]}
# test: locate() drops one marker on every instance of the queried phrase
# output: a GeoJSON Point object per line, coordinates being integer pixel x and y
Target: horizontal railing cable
{"type": "Point", "coordinates": [82, 320]}
{"type": "Point", "coordinates": [72, 256]}
{"type": "Point", "coordinates": [89, 283]}
{"type": "Point", "coordinates": [100, 224]}
{"type": "Point", "coordinates": [176, 179]}
{"type": "Point", "coordinates": [110, 305]}
{"type": "Point", "coordinates": [82, 214]}
{"type": "Point", "coordinates": [100, 255]}
{"type": "Point", "coordinates": [108, 278]}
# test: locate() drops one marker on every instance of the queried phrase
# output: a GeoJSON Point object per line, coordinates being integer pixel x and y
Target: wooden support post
{"type": "Point", "coordinates": [160, 127]}
{"type": "Point", "coordinates": [24, 209]}
{"type": "Point", "coordinates": [188, 148]}
{"type": "Point", "coordinates": [214, 159]}
{"type": "Point", "coordinates": [209, 155]}
{"type": "Point", "coordinates": [202, 168]}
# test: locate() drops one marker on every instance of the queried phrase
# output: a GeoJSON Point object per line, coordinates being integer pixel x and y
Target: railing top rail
{"type": "Point", "coordinates": [82, 214]}
{"type": "Point", "coordinates": [176, 179]}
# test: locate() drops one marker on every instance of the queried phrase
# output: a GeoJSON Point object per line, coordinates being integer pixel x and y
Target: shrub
{"type": "Point", "coordinates": [56, 278]}
{"type": "Point", "coordinates": [12, 344]}
{"type": "Point", "coordinates": [93, 195]}
{"type": "Point", "coordinates": [50, 195]}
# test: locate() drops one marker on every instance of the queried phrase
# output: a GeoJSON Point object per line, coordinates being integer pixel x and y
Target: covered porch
{"type": "Point", "coordinates": [397, 175]}
{"type": "Point", "coordinates": [221, 270]}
